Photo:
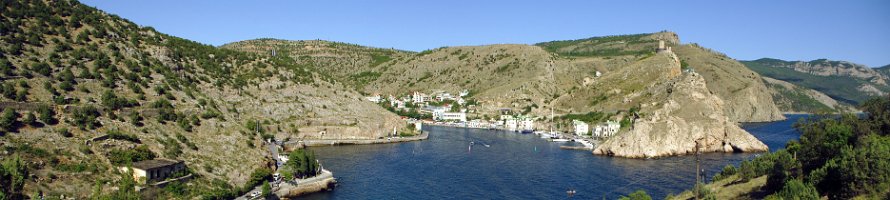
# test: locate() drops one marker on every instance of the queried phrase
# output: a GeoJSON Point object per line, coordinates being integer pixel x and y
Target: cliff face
{"type": "Point", "coordinates": [741, 89]}
{"type": "Point", "coordinates": [684, 115]}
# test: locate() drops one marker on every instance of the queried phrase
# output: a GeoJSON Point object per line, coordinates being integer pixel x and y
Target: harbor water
{"type": "Point", "coordinates": [515, 166]}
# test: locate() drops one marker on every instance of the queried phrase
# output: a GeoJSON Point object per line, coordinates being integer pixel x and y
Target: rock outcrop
{"type": "Point", "coordinates": [740, 88]}
{"type": "Point", "coordinates": [687, 114]}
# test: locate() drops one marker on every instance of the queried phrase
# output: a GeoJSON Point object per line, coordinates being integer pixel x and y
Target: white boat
{"type": "Point", "coordinates": [559, 140]}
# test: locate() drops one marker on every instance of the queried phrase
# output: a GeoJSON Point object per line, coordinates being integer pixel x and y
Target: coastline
{"type": "Point", "coordinates": [330, 142]}
{"type": "Point", "coordinates": [292, 189]}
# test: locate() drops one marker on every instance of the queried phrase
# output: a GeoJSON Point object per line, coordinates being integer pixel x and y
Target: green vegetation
{"type": "Point", "coordinates": [118, 135]}
{"type": "Point", "coordinates": [840, 88]}
{"type": "Point", "coordinates": [590, 117]}
{"type": "Point", "coordinates": [13, 173]}
{"type": "Point", "coordinates": [602, 46]}
{"type": "Point", "coordinates": [8, 120]}
{"type": "Point", "coordinates": [302, 164]}
{"type": "Point", "coordinates": [797, 100]}
{"type": "Point", "coordinates": [637, 195]}
{"type": "Point", "coordinates": [127, 156]}
{"type": "Point", "coordinates": [85, 117]}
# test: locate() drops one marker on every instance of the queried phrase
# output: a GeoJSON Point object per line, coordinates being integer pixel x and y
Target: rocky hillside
{"type": "Point", "coordinates": [352, 64]}
{"type": "Point", "coordinates": [612, 76]}
{"type": "Point", "coordinates": [795, 99]}
{"type": "Point", "coordinates": [740, 88]}
{"type": "Point", "coordinates": [843, 81]}
{"type": "Point", "coordinates": [885, 70]}
{"type": "Point", "coordinates": [685, 113]}
{"type": "Point", "coordinates": [86, 73]}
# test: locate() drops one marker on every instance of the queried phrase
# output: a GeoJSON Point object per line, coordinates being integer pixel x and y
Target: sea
{"type": "Point", "coordinates": [517, 166]}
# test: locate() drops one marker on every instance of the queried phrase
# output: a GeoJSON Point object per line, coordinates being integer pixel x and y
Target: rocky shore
{"type": "Point", "coordinates": [293, 189]}
{"type": "Point", "coordinates": [328, 142]}
{"type": "Point", "coordinates": [686, 116]}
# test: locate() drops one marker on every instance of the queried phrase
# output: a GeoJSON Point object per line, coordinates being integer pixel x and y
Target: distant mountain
{"type": "Point", "coordinates": [885, 70]}
{"type": "Point", "coordinates": [847, 82]}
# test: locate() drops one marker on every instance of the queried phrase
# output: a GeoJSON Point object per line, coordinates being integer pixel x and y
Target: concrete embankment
{"type": "Point", "coordinates": [310, 142]}
{"type": "Point", "coordinates": [296, 188]}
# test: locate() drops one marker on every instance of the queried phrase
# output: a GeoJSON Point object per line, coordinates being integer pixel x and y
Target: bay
{"type": "Point", "coordinates": [516, 166]}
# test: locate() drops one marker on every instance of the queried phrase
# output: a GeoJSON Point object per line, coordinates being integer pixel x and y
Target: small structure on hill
{"type": "Point", "coordinates": [157, 169]}
{"type": "Point", "coordinates": [662, 48]}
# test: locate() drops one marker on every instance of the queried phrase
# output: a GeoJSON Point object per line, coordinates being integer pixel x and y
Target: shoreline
{"type": "Point", "coordinates": [294, 189]}
{"type": "Point", "coordinates": [332, 142]}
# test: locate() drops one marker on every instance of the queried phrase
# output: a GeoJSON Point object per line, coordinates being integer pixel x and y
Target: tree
{"type": "Point", "coordinates": [267, 189]}
{"type": "Point", "coordinates": [85, 117]}
{"type": "Point", "coordinates": [797, 189]}
{"type": "Point", "coordinates": [8, 119]}
{"type": "Point", "coordinates": [13, 173]}
{"type": "Point", "coordinates": [637, 195]}
{"type": "Point", "coordinates": [42, 68]}
{"type": "Point", "coordinates": [46, 114]}
{"type": "Point", "coordinates": [784, 168]}
{"type": "Point", "coordinates": [30, 119]}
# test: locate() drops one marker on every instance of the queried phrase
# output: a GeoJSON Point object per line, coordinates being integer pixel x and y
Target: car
{"type": "Point", "coordinates": [255, 194]}
{"type": "Point", "coordinates": [276, 176]}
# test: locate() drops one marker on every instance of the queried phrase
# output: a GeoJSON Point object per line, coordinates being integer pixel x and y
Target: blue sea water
{"type": "Point", "coordinates": [515, 166]}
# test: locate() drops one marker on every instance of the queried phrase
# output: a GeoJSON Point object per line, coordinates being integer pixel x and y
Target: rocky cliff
{"type": "Point", "coordinates": [686, 114]}
{"type": "Point", "coordinates": [740, 88]}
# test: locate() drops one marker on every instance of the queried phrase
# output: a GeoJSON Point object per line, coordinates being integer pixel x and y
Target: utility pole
{"type": "Point", "coordinates": [697, 171]}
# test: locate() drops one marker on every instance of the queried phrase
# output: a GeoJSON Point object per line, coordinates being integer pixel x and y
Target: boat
{"type": "Point", "coordinates": [571, 192]}
{"type": "Point", "coordinates": [559, 140]}
{"type": "Point", "coordinates": [527, 131]}
{"type": "Point", "coordinates": [486, 145]}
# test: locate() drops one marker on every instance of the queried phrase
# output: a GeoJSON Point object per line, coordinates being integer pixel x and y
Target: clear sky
{"type": "Point", "coordinates": [856, 31]}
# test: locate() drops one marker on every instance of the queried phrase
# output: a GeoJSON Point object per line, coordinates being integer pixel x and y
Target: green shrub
{"type": "Point", "coordinates": [125, 156]}
{"type": "Point", "coordinates": [637, 195]}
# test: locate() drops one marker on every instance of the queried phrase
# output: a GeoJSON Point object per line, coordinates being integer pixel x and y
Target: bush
{"type": "Point", "coordinates": [85, 117]}
{"type": "Point", "coordinates": [784, 168]}
{"type": "Point", "coordinates": [728, 170]}
{"type": "Point", "coordinates": [127, 156]}
{"type": "Point", "coordinates": [637, 195]}
{"type": "Point", "coordinates": [118, 135]}
{"type": "Point", "coordinates": [30, 119]}
{"type": "Point", "coordinates": [796, 189]}
{"type": "Point", "coordinates": [64, 132]}
{"type": "Point", "coordinates": [46, 114]}
{"type": "Point", "coordinates": [13, 172]}
{"type": "Point", "coordinates": [8, 120]}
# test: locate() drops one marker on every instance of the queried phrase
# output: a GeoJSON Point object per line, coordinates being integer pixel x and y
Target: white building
{"type": "Point", "coordinates": [420, 97]}
{"type": "Point", "coordinates": [581, 128]}
{"type": "Point", "coordinates": [598, 74]}
{"type": "Point", "coordinates": [444, 96]}
{"type": "Point", "coordinates": [461, 101]}
{"type": "Point", "coordinates": [464, 93]}
{"type": "Point", "coordinates": [526, 123]}
{"type": "Point", "coordinates": [375, 98]}
{"type": "Point", "coordinates": [510, 124]}
{"type": "Point", "coordinates": [608, 129]}
{"type": "Point", "coordinates": [455, 116]}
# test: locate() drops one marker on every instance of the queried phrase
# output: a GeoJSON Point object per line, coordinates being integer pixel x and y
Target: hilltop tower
{"type": "Point", "coordinates": [661, 47]}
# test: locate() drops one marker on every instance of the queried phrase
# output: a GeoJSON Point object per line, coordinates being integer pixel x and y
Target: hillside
{"type": "Point", "coordinates": [834, 78]}
{"type": "Point", "coordinates": [885, 70]}
{"type": "Point", "coordinates": [795, 99]}
{"type": "Point", "coordinates": [609, 76]}
{"type": "Point", "coordinates": [87, 73]}
{"type": "Point", "coordinates": [352, 64]}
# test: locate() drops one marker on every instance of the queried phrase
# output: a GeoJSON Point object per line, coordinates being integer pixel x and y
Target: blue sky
{"type": "Point", "coordinates": [856, 31]}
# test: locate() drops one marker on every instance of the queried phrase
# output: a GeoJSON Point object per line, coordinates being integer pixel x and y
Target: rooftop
{"type": "Point", "coordinates": [152, 164]}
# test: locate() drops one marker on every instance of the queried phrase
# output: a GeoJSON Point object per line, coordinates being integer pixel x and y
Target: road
{"type": "Point", "coordinates": [273, 150]}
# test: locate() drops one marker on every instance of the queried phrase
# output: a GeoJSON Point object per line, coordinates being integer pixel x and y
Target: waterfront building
{"type": "Point", "coordinates": [450, 116]}
{"type": "Point", "coordinates": [581, 128]}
